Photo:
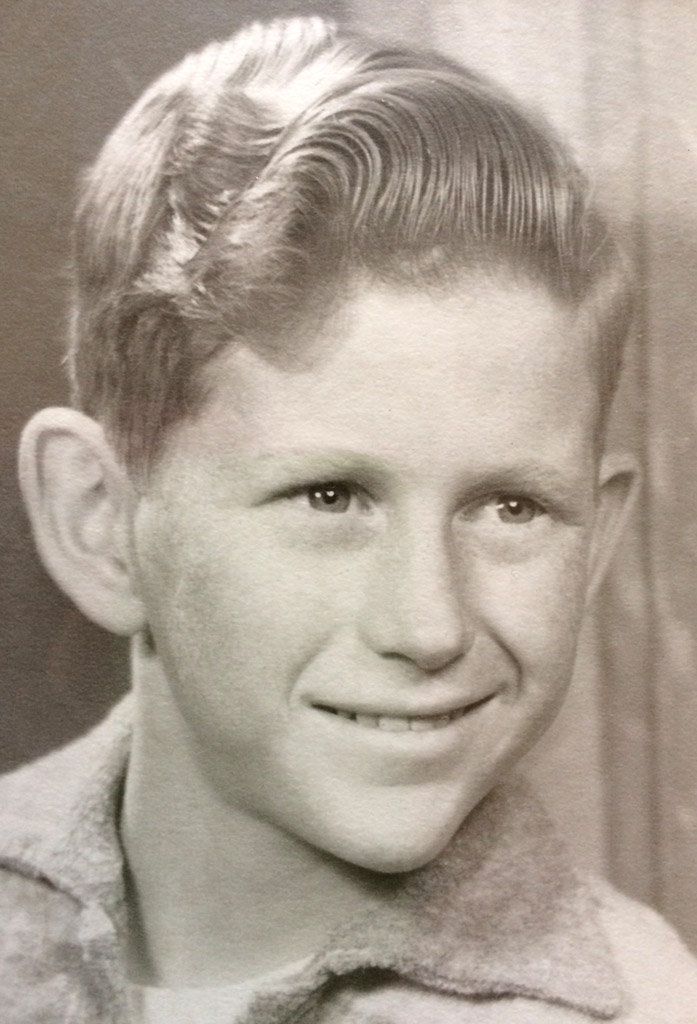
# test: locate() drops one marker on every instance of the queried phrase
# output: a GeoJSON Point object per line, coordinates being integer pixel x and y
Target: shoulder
{"type": "Point", "coordinates": [58, 814]}
{"type": "Point", "coordinates": [61, 877]}
{"type": "Point", "coordinates": [35, 917]}
{"type": "Point", "coordinates": [39, 919]}
{"type": "Point", "coordinates": [38, 795]}
{"type": "Point", "coordinates": [658, 972]}
{"type": "Point", "coordinates": [29, 904]}
{"type": "Point", "coordinates": [38, 947]}
{"type": "Point", "coordinates": [36, 913]}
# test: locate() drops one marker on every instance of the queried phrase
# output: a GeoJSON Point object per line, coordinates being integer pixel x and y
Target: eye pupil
{"type": "Point", "coordinates": [330, 497]}
{"type": "Point", "coordinates": [516, 509]}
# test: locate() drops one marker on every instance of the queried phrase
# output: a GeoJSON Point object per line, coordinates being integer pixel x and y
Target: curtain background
{"type": "Point", "coordinates": [620, 766]}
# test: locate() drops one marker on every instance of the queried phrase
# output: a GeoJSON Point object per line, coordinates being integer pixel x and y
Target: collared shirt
{"type": "Point", "coordinates": [499, 928]}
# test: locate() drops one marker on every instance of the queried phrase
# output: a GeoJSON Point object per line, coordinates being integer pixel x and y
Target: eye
{"type": "Point", "coordinates": [511, 508]}
{"type": "Point", "coordinates": [329, 497]}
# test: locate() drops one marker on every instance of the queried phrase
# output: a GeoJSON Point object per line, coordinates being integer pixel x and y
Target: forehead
{"type": "Point", "coordinates": [492, 366]}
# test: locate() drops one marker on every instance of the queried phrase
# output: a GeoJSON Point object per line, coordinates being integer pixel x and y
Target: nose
{"type": "Point", "coordinates": [414, 606]}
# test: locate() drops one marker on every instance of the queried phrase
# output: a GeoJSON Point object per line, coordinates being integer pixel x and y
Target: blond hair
{"type": "Point", "coordinates": [248, 183]}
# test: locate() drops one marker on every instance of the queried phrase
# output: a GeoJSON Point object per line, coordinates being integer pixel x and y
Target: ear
{"type": "Point", "coordinates": [618, 486]}
{"type": "Point", "coordinates": [79, 502]}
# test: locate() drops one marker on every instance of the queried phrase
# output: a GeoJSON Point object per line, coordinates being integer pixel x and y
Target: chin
{"type": "Point", "coordinates": [394, 854]}
{"type": "Point", "coordinates": [400, 862]}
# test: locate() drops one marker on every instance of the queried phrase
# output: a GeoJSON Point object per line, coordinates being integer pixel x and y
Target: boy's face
{"type": "Point", "coordinates": [365, 578]}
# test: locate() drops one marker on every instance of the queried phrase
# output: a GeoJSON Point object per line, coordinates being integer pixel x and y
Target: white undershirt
{"type": "Point", "coordinates": [223, 1004]}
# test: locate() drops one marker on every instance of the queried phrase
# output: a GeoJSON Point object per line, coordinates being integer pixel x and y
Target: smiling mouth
{"type": "Point", "coordinates": [397, 723]}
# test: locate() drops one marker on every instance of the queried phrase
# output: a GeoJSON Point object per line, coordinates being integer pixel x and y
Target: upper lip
{"type": "Point", "coordinates": [391, 710]}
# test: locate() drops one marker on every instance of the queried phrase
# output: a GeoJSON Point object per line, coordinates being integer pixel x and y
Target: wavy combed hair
{"type": "Point", "coordinates": [252, 181]}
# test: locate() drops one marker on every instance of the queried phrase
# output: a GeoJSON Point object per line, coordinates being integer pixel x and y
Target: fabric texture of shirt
{"type": "Point", "coordinates": [218, 1004]}
{"type": "Point", "coordinates": [500, 928]}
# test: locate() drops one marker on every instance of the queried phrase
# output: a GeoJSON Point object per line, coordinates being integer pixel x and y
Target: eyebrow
{"type": "Point", "coordinates": [337, 461]}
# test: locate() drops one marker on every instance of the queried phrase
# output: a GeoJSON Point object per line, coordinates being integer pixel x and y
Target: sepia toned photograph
{"type": "Point", "coordinates": [348, 558]}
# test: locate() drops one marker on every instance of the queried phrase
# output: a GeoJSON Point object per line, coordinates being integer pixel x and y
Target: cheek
{"type": "Point", "coordinates": [228, 604]}
{"type": "Point", "coordinates": [535, 608]}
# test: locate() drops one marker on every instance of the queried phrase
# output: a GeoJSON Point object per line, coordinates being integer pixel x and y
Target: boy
{"type": "Point", "coordinates": [346, 331]}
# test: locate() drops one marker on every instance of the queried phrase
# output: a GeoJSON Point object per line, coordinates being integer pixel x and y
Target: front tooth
{"type": "Point", "coordinates": [344, 714]}
{"type": "Point", "coordinates": [370, 720]}
{"type": "Point", "coordinates": [393, 724]}
{"type": "Point", "coordinates": [440, 721]}
{"type": "Point", "coordinates": [421, 724]}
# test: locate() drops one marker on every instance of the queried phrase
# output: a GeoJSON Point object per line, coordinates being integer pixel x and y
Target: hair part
{"type": "Point", "coordinates": [255, 179]}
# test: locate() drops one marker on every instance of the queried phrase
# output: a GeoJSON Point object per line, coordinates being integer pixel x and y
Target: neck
{"type": "Point", "coordinates": [215, 894]}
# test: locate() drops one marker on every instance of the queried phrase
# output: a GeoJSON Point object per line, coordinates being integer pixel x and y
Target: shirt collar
{"type": "Point", "coordinates": [500, 912]}
{"type": "Point", "coordinates": [60, 814]}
